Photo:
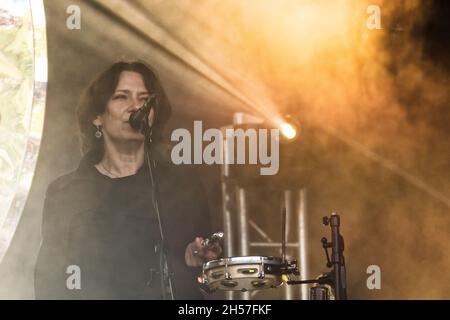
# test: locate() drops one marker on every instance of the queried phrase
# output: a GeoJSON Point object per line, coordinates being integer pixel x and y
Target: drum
{"type": "Point", "coordinates": [242, 273]}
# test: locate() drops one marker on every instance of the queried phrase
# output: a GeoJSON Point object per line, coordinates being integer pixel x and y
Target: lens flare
{"type": "Point", "coordinates": [288, 131]}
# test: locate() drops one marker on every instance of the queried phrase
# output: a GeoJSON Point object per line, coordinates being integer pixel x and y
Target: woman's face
{"type": "Point", "coordinates": [129, 95]}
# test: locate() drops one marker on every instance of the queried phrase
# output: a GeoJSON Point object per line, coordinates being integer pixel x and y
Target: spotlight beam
{"type": "Point", "coordinates": [413, 180]}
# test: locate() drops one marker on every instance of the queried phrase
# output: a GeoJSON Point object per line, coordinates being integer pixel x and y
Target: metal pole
{"type": "Point", "coordinates": [227, 224]}
{"type": "Point", "coordinates": [242, 223]}
{"type": "Point", "coordinates": [227, 227]}
{"type": "Point", "coordinates": [243, 229]}
{"type": "Point", "coordinates": [335, 255]}
{"type": "Point", "coordinates": [288, 290]}
{"type": "Point", "coordinates": [226, 214]}
{"type": "Point", "coordinates": [303, 242]}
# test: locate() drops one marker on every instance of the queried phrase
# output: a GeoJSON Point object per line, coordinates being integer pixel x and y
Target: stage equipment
{"type": "Point", "coordinates": [139, 121]}
{"type": "Point", "coordinates": [247, 273]}
{"type": "Point", "coordinates": [237, 184]}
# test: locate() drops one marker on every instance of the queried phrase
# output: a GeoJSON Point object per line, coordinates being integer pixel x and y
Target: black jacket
{"type": "Point", "coordinates": [114, 248]}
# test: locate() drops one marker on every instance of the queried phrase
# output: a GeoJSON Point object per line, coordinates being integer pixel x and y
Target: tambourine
{"type": "Point", "coordinates": [244, 273]}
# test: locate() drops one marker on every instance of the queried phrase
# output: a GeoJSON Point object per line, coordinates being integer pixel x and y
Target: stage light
{"type": "Point", "coordinates": [289, 128]}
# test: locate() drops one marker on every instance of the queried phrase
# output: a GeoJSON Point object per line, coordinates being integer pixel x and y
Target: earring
{"type": "Point", "coordinates": [98, 133]}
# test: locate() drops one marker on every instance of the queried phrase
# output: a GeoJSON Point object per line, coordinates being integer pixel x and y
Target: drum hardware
{"type": "Point", "coordinates": [336, 278]}
{"type": "Point", "coordinates": [227, 274]}
{"type": "Point", "coordinates": [319, 292]}
{"type": "Point", "coordinates": [248, 272]}
{"type": "Point", "coordinates": [259, 272]}
{"type": "Point", "coordinates": [245, 273]}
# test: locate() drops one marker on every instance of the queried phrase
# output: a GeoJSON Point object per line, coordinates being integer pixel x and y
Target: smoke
{"type": "Point", "coordinates": [378, 95]}
{"type": "Point", "coordinates": [377, 104]}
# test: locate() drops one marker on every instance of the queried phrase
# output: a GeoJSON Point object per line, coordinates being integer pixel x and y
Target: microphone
{"type": "Point", "coordinates": [139, 118]}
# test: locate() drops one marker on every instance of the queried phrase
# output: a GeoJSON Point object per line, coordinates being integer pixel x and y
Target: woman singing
{"type": "Point", "coordinates": [101, 235]}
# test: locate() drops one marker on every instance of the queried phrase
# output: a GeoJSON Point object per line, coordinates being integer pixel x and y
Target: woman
{"type": "Point", "coordinates": [100, 231]}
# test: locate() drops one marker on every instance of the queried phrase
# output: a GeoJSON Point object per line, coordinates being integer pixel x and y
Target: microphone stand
{"type": "Point", "coordinates": [165, 274]}
{"type": "Point", "coordinates": [336, 277]}
{"type": "Point", "coordinates": [338, 274]}
{"type": "Point", "coordinates": [337, 257]}
{"type": "Point", "coordinates": [167, 287]}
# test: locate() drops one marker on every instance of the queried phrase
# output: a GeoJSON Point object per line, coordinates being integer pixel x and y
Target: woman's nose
{"type": "Point", "coordinates": [135, 104]}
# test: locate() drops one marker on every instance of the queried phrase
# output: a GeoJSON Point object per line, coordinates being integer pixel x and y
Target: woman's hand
{"type": "Point", "coordinates": [196, 253]}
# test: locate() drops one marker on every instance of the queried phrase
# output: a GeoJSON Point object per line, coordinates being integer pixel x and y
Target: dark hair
{"type": "Point", "coordinates": [96, 96]}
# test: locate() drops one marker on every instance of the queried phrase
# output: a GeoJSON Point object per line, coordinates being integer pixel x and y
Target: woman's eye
{"type": "Point", "coordinates": [120, 96]}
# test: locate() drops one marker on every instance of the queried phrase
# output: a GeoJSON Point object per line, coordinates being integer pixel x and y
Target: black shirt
{"type": "Point", "coordinates": [108, 228]}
